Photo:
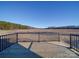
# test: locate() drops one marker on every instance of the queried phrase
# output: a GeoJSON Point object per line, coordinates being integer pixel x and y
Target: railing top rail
{"type": "Point", "coordinates": [74, 34]}
{"type": "Point", "coordinates": [37, 32]}
{"type": "Point", "coordinates": [70, 34]}
{"type": "Point", "coordinates": [7, 34]}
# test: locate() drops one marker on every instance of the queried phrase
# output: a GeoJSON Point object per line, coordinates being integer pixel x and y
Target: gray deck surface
{"type": "Point", "coordinates": [37, 50]}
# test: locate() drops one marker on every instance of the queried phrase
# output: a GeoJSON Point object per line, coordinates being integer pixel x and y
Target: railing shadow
{"type": "Point", "coordinates": [30, 46]}
{"type": "Point", "coordinates": [4, 43]}
{"type": "Point", "coordinates": [19, 51]}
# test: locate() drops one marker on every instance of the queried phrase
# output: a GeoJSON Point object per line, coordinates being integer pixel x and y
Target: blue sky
{"type": "Point", "coordinates": [40, 14]}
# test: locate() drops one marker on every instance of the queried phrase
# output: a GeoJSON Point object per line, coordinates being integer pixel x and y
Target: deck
{"type": "Point", "coordinates": [38, 50]}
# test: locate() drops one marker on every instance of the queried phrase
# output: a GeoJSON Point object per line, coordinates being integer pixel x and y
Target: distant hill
{"type": "Point", "coordinates": [10, 26]}
{"type": "Point", "coordinates": [64, 27]}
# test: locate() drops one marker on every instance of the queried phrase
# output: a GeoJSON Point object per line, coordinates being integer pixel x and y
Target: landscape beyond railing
{"type": "Point", "coordinates": [9, 39]}
{"type": "Point", "coordinates": [38, 36]}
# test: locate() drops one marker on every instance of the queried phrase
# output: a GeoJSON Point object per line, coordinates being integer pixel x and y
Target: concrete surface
{"type": "Point", "coordinates": [37, 50]}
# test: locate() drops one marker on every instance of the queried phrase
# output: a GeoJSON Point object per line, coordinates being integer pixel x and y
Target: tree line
{"type": "Point", "coordinates": [9, 26]}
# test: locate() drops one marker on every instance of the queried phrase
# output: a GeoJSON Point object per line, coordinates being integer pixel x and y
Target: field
{"type": "Point", "coordinates": [65, 31]}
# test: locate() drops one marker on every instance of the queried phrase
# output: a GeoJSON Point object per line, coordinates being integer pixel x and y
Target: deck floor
{"type": "Point", "coordinates": [37, 50]}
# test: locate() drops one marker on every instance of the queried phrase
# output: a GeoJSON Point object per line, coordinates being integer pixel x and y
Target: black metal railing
{"type": "Point", "coordinates": [9, 39]}
{"type": "Point", "coordinates": [74, 41]}
{"type": "Point", "coordinates": [71, 39]}
{"type": "Point", "coordinates": [38, 36]}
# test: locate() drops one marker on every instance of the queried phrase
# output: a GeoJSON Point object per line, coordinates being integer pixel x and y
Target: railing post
{"type": "Point", "coordinates": [76, 42]}
{"type": "Point", "coordinates": [38, 36]}
{"type": "Point", "coordinates": [16, 37]}
{"type": "Point", "coordinates": [70, 41]}
{"type": "Point", "coordinates": [0, 43]}
{"type": "Point", "coordinates": [58, 37]}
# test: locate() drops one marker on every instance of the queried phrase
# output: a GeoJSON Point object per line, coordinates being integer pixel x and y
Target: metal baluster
{"type": "Point", "coordinates": [58, 37]}
{"type": "Point", "coordinates": [70, 41]}
{"type": "Point", "coordinates": [76, 42]}
{"type": "Point", "coordinates": [38, 37]}
{"type": "Point", "coordinates": [0, 43]}
{"type": "Point", "coordinates": [16, 37]}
